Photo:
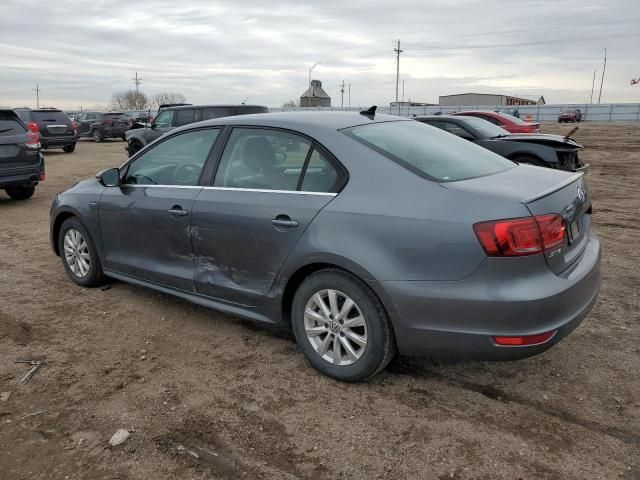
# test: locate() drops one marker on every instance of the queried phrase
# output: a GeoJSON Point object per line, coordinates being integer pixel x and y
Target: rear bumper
{"type": "Point", "coordinates": [501, 298]}
{"type": "Point", "coordinates": [52, 142]}
{"type": "Point", "coordinates": [25, 178]}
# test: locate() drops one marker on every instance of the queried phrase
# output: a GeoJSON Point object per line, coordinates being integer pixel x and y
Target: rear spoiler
{"type": "Point", "coordinates": [555, 188]}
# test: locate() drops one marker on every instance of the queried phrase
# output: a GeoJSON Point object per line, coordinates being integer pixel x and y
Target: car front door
{"type": "Point", "coordinates": [83, 123]}
{"type": "Point", "coordinates": [145, 221]}
{"type": "Point", "coordinates": [268, 187]}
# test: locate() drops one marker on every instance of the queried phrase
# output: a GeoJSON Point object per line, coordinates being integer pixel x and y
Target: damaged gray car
{"type": "Point", "coordinates": [542, 150]}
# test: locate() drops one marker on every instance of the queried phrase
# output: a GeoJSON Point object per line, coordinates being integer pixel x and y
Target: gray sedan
{"type": "Point", "coordinates": [366, 234]}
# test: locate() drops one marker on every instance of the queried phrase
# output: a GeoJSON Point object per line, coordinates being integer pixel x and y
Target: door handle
{"type": "Point", "coordinates": [177, 211]}
{"type": "Point", "coordinates": [284, 221]}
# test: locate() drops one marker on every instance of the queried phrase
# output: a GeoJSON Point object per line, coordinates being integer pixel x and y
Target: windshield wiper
{"type": "Point", "coordinates": [502, 135]}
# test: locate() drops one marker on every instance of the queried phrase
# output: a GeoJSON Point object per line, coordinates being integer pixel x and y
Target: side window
{"type": "Point", "coordinates": [493, 120]}
{"type": "Point", "coordinates": [184, 117]}
{"type": "Point", "coordinates": [163, 119]}
{"type": "Point", "coordinates": [262, 159]}
{"type": "Point", "coordinates": [455, 129]}
{"type": "Point", "coordinates": [215, 112]}
{"type": "Point", "coordinates": [176, 161]}
{"type": "Point", "coordinates": [320, 175]}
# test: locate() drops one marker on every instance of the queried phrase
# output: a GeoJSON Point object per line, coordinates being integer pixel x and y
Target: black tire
{"type": "Point", "coordinates": [380, 348]}
{"type": "Point", "coordinates": [528, 160]}
{"type": "Point", "coordinates": [69, 148]}
{"type": "Point", "coordinates": [94, 276]}
{"type": "Point", "coordinates": [124, 138]}
{"type": "Point", "coordinates": [20, 192]}
{"type": "Point", "coordinates": [97, 135]}
{"type": "Point", "coordinates": [134, 147]}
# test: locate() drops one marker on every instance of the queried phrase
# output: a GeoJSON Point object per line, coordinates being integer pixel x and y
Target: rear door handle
{"type": "Point", "coordinates": [177, 211]}
{"type": "Point", "coordinates": [284, 221]}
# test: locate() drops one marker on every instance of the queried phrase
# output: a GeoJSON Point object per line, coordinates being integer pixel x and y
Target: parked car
{"type": "Point", "coordinates": [170, 117]}
{"type": "Point", "coordinates": [101, 125]}
{"type": "Point", "coordinates": [138, 116]}
{"type": "Point", "coordinates": [504, 120]}
{"type": "Point", "coordinates": [54, 128]}
{"type": "Point", "coordinates": [364, 233]}
{"type": "Point", "coordinates": [21, 162]}
{"type": "Point", "coordinates": [552, 151]}
{"type": "Point", "coordinates": [570, 116]}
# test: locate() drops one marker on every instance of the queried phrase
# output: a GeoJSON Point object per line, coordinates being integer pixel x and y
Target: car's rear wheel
{"type": "Point", "coordinates": [69, 148]}
{"type": "Point", "coordinates": [97, 135]}
{"type": "Point", "coordinates": [79, 255]}
{"type": "Point", "coordinates": [20, 192]}
{"type": "Point", "coordinates": [341, 326]}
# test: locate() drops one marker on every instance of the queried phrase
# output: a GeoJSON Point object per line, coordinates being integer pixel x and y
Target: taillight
{"type": "Point", "coordinates": [33, 127]}
{"type": "Point", "coordinates": [42, 177]}
{"type": "Point", "coordinates": [520, 236]}
{"type": "Point", "coordinates": [74, 125]}
{"type": "Point", "coordinates": [33, 139]}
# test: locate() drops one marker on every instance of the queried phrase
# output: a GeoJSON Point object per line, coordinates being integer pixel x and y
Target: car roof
{"type": "Point", "coordinates": [305, 120]}
{"type": "Point", "coordinates": [445, 117]}
{"type": "Point", "coordinates": [189, 107]}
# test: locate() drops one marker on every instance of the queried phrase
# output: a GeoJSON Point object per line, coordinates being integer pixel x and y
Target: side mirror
{"type": "Point", "coordinates": [109, 177]}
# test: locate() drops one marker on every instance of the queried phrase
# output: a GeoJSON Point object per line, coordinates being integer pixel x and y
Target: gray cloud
{"type": "Point", "coordinates": [223, 51]}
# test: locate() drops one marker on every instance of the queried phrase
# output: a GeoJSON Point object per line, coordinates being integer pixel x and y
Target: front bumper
{"type": "Point", "coordinates": [503, 297]}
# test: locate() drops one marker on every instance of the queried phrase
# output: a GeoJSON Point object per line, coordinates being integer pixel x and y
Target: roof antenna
{"type": "Point", "coordinates": [369, 113]}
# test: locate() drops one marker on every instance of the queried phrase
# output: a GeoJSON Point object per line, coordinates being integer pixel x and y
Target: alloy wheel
{"type": "Point", "coordinates": [335, 327]}
{"type": "Point", "coordinates": [76, 253]}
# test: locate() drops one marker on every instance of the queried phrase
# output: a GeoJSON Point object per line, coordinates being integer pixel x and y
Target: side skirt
{"type": "Point", "coordinates": [238, 311]}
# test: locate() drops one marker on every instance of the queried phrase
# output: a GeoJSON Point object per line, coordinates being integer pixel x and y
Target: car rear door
{"type": "Point", "coordinates": [145, 222]}
{"type": "Point", "coordinates": [269, 186]}
{"type": "Point", "coordinates": [14, 154]}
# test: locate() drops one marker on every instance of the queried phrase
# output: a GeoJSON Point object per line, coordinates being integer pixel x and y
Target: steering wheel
{"type": "Point", "coordinates": [186, 174]}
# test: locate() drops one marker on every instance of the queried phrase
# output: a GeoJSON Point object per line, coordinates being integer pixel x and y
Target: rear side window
{"type": "Point", "coordinates": [429, 152]}
{"type": "Point", "coordinates": [249, 110]}
{"type": "Point", "coordinates": [25, 115]}
{"type": "Point", "coordinates": [49, 117]}
{"type": "Point", "coordinates": [10, 125]}
{"type": "Point", "coordinates": [262, 159]}
{"type": "Point", "coordinates": [184, 117]}
{"type": "Point", "coordinates": [210, 113]}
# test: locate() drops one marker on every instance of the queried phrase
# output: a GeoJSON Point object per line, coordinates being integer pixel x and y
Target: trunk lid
{"type": "Point", "coordinates": [543, 191]}
{"type": "Point", "coordinates": [52, 123]}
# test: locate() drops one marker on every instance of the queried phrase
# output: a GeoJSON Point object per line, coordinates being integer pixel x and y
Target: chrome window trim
{"type": "Point", "coordinates": [256, 190]}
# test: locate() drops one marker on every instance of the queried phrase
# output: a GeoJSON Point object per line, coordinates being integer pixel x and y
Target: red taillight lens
{"type": "Point", "coordinates": [43, 177]}
{"type": "Point", "coordinates": [524, 340]}
{"type": "Point", "coordinates": [33, 140]}
{"type": "Point", "coordinates": [33, 127]}
{"type": "Point", "coordinates": [520, 236]}
{"type": "Point", "coordinates": [74, 125]}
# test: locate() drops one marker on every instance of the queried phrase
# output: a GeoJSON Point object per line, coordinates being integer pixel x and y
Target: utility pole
{"type": "Point", "coordinates": [349, 95]}
{"type": "Point", "coordinates": [37, 90]}
{"type": "Point", "coordinates": [137, 81]}
{"type": "Point", "coordinates": [402, 91]}
{"type": "Point", "coordinates": [593, 83]}
{"type": "Point", "coordinates": [603, 69]}
{"type": "Point", "coordinates": [342, 94]}
{"type": "Point", "coordinates": [398, 52]}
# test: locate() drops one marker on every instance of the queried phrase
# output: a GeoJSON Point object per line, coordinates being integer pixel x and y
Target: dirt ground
{"type": "Point", "coordinates": [207, 395]}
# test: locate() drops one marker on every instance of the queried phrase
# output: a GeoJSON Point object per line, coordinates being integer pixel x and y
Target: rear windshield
{"type": "Point", "coordinates": [50, 116]}
{"type": "Point", "coordinates": [10, 125]}
{"type": "Point", "coordinates": [428, 151]}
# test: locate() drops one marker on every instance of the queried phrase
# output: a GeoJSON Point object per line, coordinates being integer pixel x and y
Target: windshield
{"type": "Point", "coordinates": [485, 128]}
{"type": "Point", "coordinates": [428, 151]}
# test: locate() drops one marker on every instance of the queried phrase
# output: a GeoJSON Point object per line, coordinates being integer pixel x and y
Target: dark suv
{"type": "Point", "coordinates": [21, 162]}
{"type": "Point", "coordinates": [54, 127]}
{"type": "Point", "coordinates": [101, 125]}
{"type": "Point", "coordinates": [177, 116]}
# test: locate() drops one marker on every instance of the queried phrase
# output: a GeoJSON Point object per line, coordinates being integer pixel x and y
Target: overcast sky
{"type": "Point", "coordinates": [215, 51]}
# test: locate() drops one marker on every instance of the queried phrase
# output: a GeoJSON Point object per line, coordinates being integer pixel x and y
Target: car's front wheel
{"type": "Point", "coordinates": [134, 147]}
{"type": "Point", "coordinates": [79, 255]}
{"type": "Point", "coordinates": [20, 193]}
{"type": "Point", "coordinates": [341, 326]}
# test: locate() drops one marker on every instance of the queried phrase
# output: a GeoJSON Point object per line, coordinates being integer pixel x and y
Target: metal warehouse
{"type": "Point", "coordinates": [486, 99]}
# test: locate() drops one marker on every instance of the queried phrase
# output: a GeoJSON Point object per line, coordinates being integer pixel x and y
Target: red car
{"type": "Point", "coordinates": [510, 123]}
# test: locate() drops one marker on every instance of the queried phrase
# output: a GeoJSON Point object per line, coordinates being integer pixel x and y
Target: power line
{"type": "Point", "coordinates": [522, 44]}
